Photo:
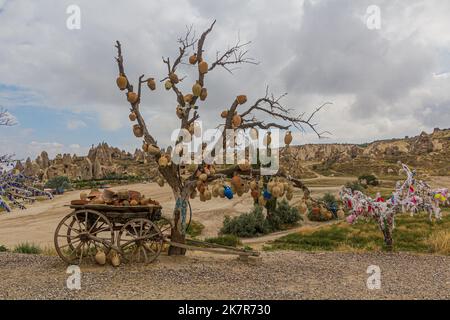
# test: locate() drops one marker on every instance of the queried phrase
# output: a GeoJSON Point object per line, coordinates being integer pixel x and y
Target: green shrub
{"type": "Point", "coordinates": [195, 228]}
{"type": "Point", "coordinates": [28, 248]}
{"type": "Point", "coordinates": [225, 240]}
{"type": "Point", "coordinates": [355, 186]}
{"type": "Point", "coordinates": [246, 225]}
{"type": "Point", "coordinates": [59, 183]}
{"type": "Point", "coordinates": [3, 248]}
{"type": "Point", "coordinates": [370, 179]}
{"type": "Point", "coordinates": [283, 215]}
{"type": "Point", "coordinates": [254, 223]}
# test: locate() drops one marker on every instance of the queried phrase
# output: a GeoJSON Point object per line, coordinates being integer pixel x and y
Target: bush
{"type": "Point", "coordinates": [3, 248]}
{"type": "Point", "coordinates": [254, 223]}
{"type": "Point", "coordinates": [283, 215]}
{"type": "Point", "coordinates": [331, 203]}
{"type": "Point", "coordinates": [60, 184]}
{"type": "Point", "coordinates": [28, 248]}
{"type": "Point", "coordinates": [247, 224]}
{"type": "Point", "coordinates": [195, 228]}
{"type": "Point", "coordinates": [355, 186]}
{"type": "Point", "coordinates": [370, 179]}
{"type": "Point", "coordinates": [225, 240]}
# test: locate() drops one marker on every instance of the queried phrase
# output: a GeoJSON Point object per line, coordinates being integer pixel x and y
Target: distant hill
{"type": "Point", "coordinates": [428, 153]}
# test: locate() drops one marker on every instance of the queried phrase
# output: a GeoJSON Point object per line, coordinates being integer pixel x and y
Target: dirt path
{"type": "Point", "coordinates": [277, 275]}
{"type": "Point", "coordinates": [37, 223]}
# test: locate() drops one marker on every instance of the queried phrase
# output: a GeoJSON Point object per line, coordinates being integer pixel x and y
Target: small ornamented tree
{"type": "Point", "coordinates": [15, 188]}
{"type": "Point", "coordinates": [228, 180]}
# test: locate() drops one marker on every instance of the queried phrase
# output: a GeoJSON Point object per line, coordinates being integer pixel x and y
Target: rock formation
{"type": "Point", "coordinates": [100, 162]}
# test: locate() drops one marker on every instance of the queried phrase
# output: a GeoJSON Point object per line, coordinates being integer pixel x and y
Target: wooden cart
{"type": "Point", "coordinates": [137, 233]}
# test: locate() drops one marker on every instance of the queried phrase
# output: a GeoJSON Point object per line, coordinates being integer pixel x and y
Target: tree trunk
{"type": "Point", "coordinates": [178, 232]}
{"type": "Point", "coordinates": [388, 241]}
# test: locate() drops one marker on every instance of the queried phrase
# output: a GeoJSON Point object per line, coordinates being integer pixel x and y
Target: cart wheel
{"type": "Point", "coordinates": [140, 240]}
{"type": "Point", "coordinates": [165, 226]}
{"type": "Point", "coordinates": [81, 234]}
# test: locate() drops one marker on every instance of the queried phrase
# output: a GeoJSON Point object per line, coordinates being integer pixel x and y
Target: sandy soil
{"type": "Point", "coordinates": [37, 223]}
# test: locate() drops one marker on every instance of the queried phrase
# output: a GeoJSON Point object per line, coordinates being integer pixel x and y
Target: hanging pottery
{"type": "Point", "coordinates": [145, 147]}
{"type": "Point", "coordinates": [253, 185]}
{"type": "Point", "coordinates": [180, 112]}
{"type": "Point", "coordinates": [132, 116]}
{"type": "Point", "coordinates": [153, 149]}
{"type": "Point", "coordinates": [254, 133]}
{"type": "Point", "coordinates": [221, 190]}
{"type": "Point", "coordinates": [122, 82]}
{"type": "Point", "coordinates": [196, 89]}
{"type": "Point", "coordinates": [173, 78]}
{"type": "Point", "coordinates": [163, 161]}
{"type": "Point", "coordinates": [227, 192]}
{"type": "Point", "coordinates": [197, 130]}
{"type": "Point", "coordinates": [203, 94]}
{"type": "Point", "coordinates": [193, 59]}
{"type": "Point", "coordinates": [276, 192]}
{"type": "Point", "coordinates": [262, 201]}
{"type": "Point", "coordinates": [203, 177]}
{"type": "Point", "coordinates": [245, 166]}
{"type": "Point", "coordinates": [132, 97]}
{"type": "Point", "coordinates": [168, 85]}
{"type": "Point", "coordinates": [267, 139]}
{"type": "Point", "coordinates": [288, 138]}
{"type": "Point", "coordinates": [267, 195]}
{"type": "Point", "coordinates": [237, 120]}
{"type": "Point", "coordinates": [224, 114]}
{"type": "Point", "coordinates": [255, 194]}
{"type": "Point", "coordinates": [188, 98]}
{"type": "Point", "coordinates": [236, 182]}
{"type": "Point", "coordinates": [203, 67]}
{"type": "Point", "coordinates": [241, 99]}
{"type": "Point", "coordinates": [137, 130]}
{"type": "Point", "coordinates": [151, 84]}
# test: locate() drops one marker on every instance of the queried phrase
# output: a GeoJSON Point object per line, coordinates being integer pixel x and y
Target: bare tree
{"type": "Point", "coordinates": [268, 106]}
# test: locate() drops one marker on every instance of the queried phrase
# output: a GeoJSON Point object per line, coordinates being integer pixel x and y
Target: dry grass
{"type": "Point", "coordinates": [439, 242]}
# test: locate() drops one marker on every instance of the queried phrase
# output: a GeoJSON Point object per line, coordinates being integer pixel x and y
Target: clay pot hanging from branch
{"type": "Point", "coordinates": [132, 97]}
{"type": "Point", "coordinates": [137, 130]}
{"type": "Point", "coordinates": [168, 85]}
{"type": "Point", "coordinates": [151, 84]}
{"type": "Point", "coordinates": [196, 89]}
{"type": "Point", "coordinates": [173, 78]}
{"type": "Point", "coordinates": [193, 59]}
{"type": "Point", "coordinates": [203, 94]}
{"type": "Point", "coordinates": [288, 138]}
{"type": "Point", "coordinates": [241, 99]}
{"type": "Point", "coordinates": [132, 116]}
{"type": "Point", "coordinates": [122, 82]}
{"type": "Point", "coordinates": [203, 67]}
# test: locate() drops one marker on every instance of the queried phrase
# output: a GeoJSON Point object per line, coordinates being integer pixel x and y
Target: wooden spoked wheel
{"type": "Point", "coordinates": [81, 234]}
{"type": "Point", "coordinates": [165, 226]}
{"type": "Point", "coordinates": [140, 240]}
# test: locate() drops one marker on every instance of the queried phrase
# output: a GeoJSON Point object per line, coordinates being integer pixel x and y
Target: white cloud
{"type": "Point", "coordinates": [318, 51]}
{"type": "Point", "coordinates": [74, 124]}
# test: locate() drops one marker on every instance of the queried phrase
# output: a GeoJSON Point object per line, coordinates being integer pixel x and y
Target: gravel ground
{"type": "Point", "coordinates": [276, 275]}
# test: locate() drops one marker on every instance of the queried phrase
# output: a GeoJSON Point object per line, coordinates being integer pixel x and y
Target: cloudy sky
{"type": "Point", "coordinates": [60, 83]}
